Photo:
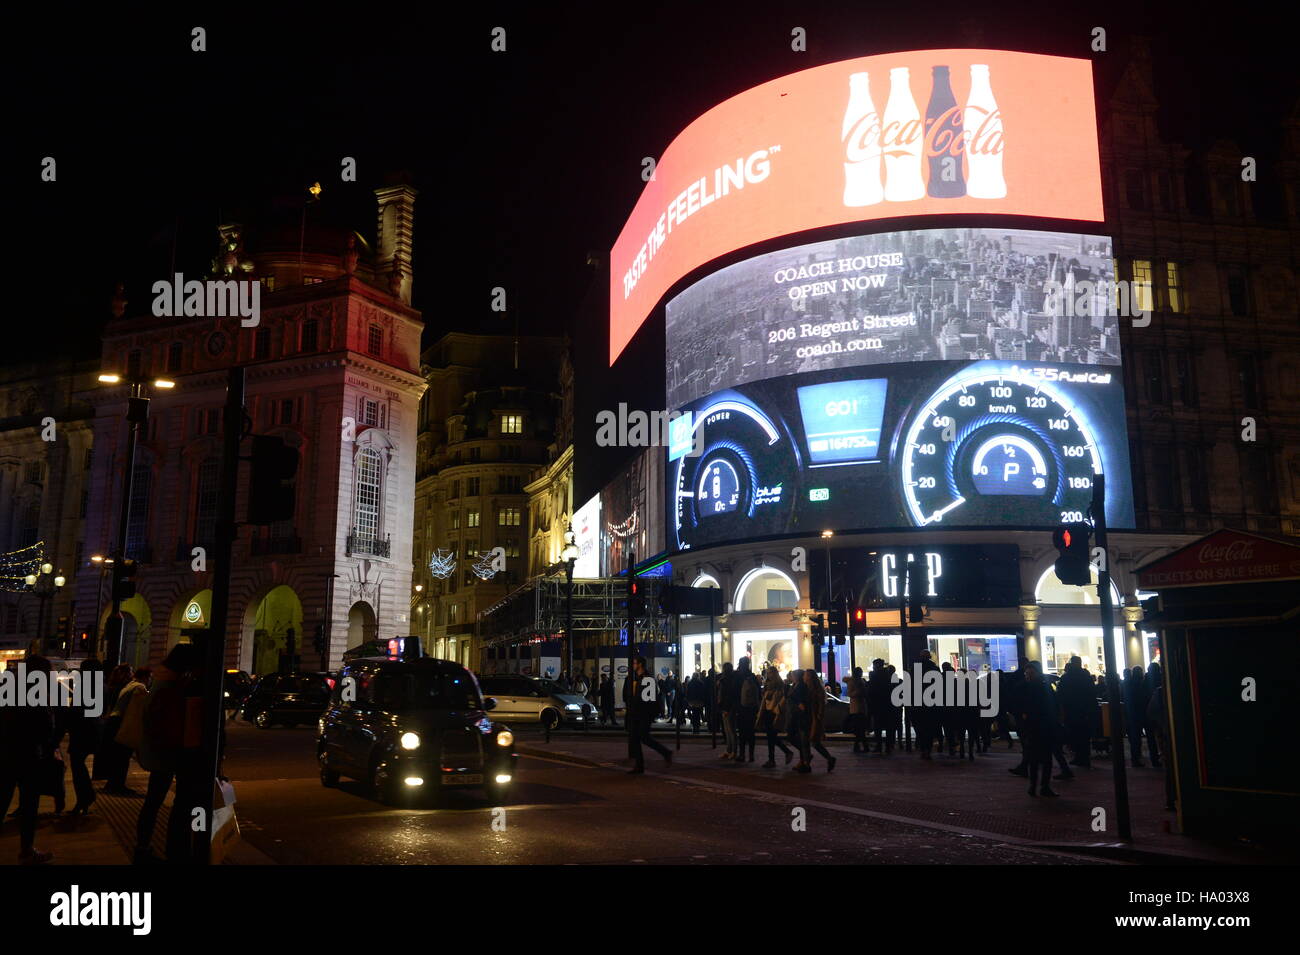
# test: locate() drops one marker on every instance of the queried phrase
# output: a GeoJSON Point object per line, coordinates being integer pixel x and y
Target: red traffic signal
{"type": "Point", "coordinates": [1073, 557]}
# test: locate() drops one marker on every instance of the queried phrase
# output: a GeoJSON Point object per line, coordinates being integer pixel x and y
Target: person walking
{"type": "Point", "coordinates": [26, 745]}
{"type": "Point", "coordinates": [640, 696]}
{"type": "Point", "coordinates": [1152, 683]}
{"type": "Point", "coordinates": [857, 688]}
{"type": "Point", "coordinates": [749, 695]}
{"type": "Point", "coordinates": [83, 733]}
{"type": "Point", "coordinates": [1038, 726]}
{"type": "Point", "coordinates": [607, 701]}
{"type": "Point", "coordinates": [726, 699]}
{"type": "Point", "coordinates": [772, 711]}
{"type": "Point", "coordinates": [124, 731]}
{"type": "Point", "coordinates": [113, 686]}
{"type": "Point", "coordinates": [817, 720]}
{"type": "Point", "coordinates": [162, 752]}
{"type": "Point", "coordinates": [1157, 723]}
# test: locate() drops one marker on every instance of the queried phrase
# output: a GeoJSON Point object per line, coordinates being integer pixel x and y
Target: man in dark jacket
{"type": "Point", "coordinates": [1136, 698]}
{"type": "Point", "coordinates": [1039, 729]}
{"type": "Point", "coordinates": [641, 696]}
{"type": "Point", "coordinates": [926, 719]}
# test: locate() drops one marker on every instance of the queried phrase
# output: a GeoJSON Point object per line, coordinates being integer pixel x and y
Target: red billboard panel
{"type": "Point", "coordinates": [878, 137]}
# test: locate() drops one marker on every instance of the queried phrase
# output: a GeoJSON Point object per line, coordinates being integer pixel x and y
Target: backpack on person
{"type": "Point", "coordinates": [749, 692]}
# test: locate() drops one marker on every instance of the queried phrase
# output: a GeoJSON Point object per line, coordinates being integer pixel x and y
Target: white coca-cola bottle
{"type": "Point", "coordinates": [901, 141]}
{"type": "Point", "coordinates": [982, 127]}
{"type": "Point", "coordinates": [861, 137]}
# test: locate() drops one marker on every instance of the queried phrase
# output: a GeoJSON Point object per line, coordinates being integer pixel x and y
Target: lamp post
{"type": "Point", "coordinates": [830, 604]}
{"type": "Point", "coordinates": [137, 413]}
{"type": "Point", "coordinates": [53, 583]}
{"type": "Point", "coordinates": [104, 563]}
{"type": "Point", "coordinates": [570, 556]}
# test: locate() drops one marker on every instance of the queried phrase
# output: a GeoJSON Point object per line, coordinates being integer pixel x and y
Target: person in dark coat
{"type": "Point", "coordinates": [879, 707]}
{"type": "Point", "coordinates": [83, 732]}
{"type": "Point", "coordinates": [640, 715]}
{"type": "Point", "coordinates": [1135, 706]}
{"type": "Point", "coordinates": [607, 701]}
{"type": "Point", "coordinates": [1039, 729]}
{"type": "Point", "coordinates": [926, 719]}
{"type": "Point", "coordinates": [1078, 697]}
{"type": "Point", "coordinates": [1157, 723]}
{"type": "Point", "coordinates": [1011, 695]}
{"type": "Point", "coordinates": [26, 744]}
{"type": "Point", "coordinates": [113, 686]}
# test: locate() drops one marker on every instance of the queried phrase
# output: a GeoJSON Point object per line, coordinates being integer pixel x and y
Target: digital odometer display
{"type": "Point", "coordinates": [925, 444]}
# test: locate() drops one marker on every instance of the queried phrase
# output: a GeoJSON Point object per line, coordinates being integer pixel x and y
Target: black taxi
{"type": "Point", "coordinates": [413, 728]}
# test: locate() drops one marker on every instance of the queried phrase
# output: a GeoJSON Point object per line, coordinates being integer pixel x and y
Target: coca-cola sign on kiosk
{"type": "Point", "coordinates": [1225, 557]}
{"type": "Point", "coordinates": [960, 131]}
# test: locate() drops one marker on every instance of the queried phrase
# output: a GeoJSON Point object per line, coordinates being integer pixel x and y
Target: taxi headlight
{"type": "Point", "coordinates": [572, 707]}
{"type": "Point", "coordinates": [505, 738]}
{"type": "Point", "coordinates": [410, 741]}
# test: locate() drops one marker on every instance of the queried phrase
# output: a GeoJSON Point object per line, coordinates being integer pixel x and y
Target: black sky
{"type": "Point", "coordinates": [525, 160]}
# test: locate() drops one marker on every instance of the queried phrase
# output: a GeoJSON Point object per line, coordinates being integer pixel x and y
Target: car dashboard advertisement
{"type": "Point", "coordinates": [938, 378]}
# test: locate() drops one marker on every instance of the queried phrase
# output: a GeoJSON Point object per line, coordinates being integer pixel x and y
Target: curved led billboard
{"type": "Point", "coordinates": [943, 377]}
{"type": "Point", "coordinates": [900, 134]}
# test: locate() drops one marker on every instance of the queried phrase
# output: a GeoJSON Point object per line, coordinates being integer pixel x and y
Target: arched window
{"type": "Point", "coordinates": [1052, 592]}
{"type": "Point", "coordinates": [205, 503]}
{"type": "Point", "coordinates": [369, 485]}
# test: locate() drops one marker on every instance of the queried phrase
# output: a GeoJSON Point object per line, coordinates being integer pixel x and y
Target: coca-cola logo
{"type": "Point", "coordinates": [1237, 550]}
{"type": "Point", "coordinates": [944, 137]}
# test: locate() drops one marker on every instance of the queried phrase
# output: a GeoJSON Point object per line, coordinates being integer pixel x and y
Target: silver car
{"type": "Point", "coordinates": [527, 699]}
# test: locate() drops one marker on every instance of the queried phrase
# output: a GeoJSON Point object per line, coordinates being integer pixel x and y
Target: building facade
{"type": "Point", "coordinates": [486, 424]}
{"type": "Point", "coordinates": [332, 367]}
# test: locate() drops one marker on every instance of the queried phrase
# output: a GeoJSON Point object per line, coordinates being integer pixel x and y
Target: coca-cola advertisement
{"type": "Point", "coordinates": [931, 132]}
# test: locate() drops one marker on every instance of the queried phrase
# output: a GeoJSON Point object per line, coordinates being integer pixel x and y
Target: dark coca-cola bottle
{"type": "Point", "coordinates": [943, 139]}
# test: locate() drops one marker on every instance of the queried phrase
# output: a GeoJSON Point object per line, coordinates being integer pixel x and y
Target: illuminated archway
{"type": "Point", "coordinates": [275, 623]}
{"type": "Point", "coordinates": [362, 625]}
{"type": "Point", "coordinates": [190, 617]}
{"type": "Point", "coordinates": [766, 588]}
{"type": "Point", "coordinates": [1049, 591]}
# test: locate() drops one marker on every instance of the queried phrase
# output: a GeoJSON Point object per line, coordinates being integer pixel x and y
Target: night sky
{"type": "Point", "coordinates": [525, 161]}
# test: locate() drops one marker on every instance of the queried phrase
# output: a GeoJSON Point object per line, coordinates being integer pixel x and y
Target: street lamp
{"type": "Point", "coordinates": [53, 584]}
{"type": "Point", "coordinates": [137, 413]}
{"type": "Point", "coordinates": [569, 554]}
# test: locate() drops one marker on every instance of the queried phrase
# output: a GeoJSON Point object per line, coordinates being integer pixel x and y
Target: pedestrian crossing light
{"type": "Point", "coordinates": [1072, 561]}
{"type": "Point", "coordinates": [124, 572]}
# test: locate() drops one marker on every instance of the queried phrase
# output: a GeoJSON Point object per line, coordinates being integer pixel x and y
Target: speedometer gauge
{"type": "Point", "coordinates": [998, 446]}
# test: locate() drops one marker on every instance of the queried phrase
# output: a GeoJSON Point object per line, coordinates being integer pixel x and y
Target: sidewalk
{"type": "Point", "coordinates": [106, 836]}
{"type": "Point", "coordinates": [956, 795]}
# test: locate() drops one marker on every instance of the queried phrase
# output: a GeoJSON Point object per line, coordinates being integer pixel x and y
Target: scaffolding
{"type": "Point", "coordinates": [537, 608]}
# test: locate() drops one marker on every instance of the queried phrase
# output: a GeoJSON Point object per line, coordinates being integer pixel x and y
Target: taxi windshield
{"type": "Point", "coordinates": [426, 691]}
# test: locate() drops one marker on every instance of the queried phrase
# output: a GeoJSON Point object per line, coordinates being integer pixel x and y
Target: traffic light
{"type": "Point", "coordinates": [635, 599]}
{"type": "Point", "coordinates": [857, 621]}
{"type": "Point", "coordinates": [837, 625]}
{"type": "Point", "coordinates": [83, 641]}
{"type": "Point", "coordinates": [318, 642]}
{"type": "Point", "coordinates": [918, 587]}
{"type": "Point", "coordinates": [1073, 556]}
{"type": "Point", "coordinates": [270, 484]}
{"type": "Point", "coordinates": [818, 630]}
{"type": "Point", "coordinates": [124, 572]}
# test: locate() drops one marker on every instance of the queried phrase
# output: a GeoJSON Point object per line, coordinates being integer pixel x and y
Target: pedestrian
{"type": "Point", "coordinates": [1038, 725]}
{"type": "Point", "coordinates": [858, 710]}
{"type": "Point", "coordinates": [726, 699]}
{"type": "Point", "coordinates": [749, 694]}
{"type": "Point", "coordinates": [1135, 704]}
{"type": "Point", "coordinates": [878, 705]}
{"type": "Point", "coordinates": [113, 686]}
{"type": "Point", "coordinates": [1078, 697]}
{"type": "Point", "coordinates": [161, 752]}
{"type": "Point", "coordinates": [83, 732]}
{"type": "Point", "coordinates": [1017, 682]}
{"type": "Point", "coordinates": [26, 745]}
{"type": "Point", "coordinates": [817, 720]}
{"type": "Point", "coordinates": [124, 731]}
{"type": "Point", "coordinates": [640, 692]}
{"type": "Point", "coordinates": [926, 719]}
{"type": "Point", "coordinates": [1157, 723]}
{"type": "Point", "coordinates": [580, 686]}
{"type": "Point", "coordinates": [1151, 684]}
{"type": "Point", "coordinates": [607, 701]}
{"type": "Point", "coordinates": [949, 715]}
{"type": "Point", "coordinates": [772, 711]}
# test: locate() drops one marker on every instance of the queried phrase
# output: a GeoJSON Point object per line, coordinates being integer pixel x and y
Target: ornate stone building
{"type": "Point", "coordinates": [333, 368]}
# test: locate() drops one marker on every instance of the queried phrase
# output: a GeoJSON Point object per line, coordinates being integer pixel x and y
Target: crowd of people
{"type": "Point", "coordinates": [1049, 714]}
{"type": "Point", "coordinates": [148, 714]}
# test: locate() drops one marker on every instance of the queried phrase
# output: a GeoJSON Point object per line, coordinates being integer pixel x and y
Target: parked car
{"type": "Point", "coordinates": [237, 685]}
{"type": "Point", "coordinates": [414, 727]}
{"type": "Point", "coordinates": [287, 698]}
{"type": "Point", "coordinates": [527, 699]}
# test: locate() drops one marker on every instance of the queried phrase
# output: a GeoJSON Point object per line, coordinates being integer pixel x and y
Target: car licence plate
{"type": "Point", "coordinates": [462, 779]}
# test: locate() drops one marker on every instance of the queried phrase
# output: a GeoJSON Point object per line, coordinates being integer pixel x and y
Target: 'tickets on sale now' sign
{"type": "Point", "coordinates": [901, 134]}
